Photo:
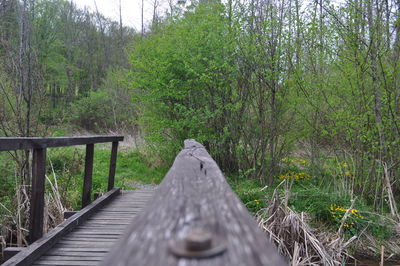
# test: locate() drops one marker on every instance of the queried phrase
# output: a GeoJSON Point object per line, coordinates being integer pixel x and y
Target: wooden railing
{"type": "Point", "coordinates": [39, 147]}
{"type": "Point", "coordinates": [194, 218]}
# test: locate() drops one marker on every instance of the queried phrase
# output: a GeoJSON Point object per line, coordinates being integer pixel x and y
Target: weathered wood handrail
{"type": "Point", "coordinates": [193, 206]}
{"type": "Point", "coordinates": [39, 147]}
{"type": "Point", "coordinates": [11, 144]}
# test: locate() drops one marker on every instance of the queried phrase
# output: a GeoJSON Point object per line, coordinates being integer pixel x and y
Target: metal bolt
{"type": "Point", "coordinates": [197, 244]}
{"type": "Point", "coordinates": [198, 241]}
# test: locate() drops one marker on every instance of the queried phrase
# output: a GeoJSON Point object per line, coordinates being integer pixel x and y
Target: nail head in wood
{"type": "Point", "coordinates": [198, 244]}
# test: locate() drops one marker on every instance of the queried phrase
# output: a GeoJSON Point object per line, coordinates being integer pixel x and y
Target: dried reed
{"type": "Point", "coordinates": [296, 240]}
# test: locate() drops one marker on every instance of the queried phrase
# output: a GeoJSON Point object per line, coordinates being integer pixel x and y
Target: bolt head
{"type": "Point", "coordinates": [198, 241]}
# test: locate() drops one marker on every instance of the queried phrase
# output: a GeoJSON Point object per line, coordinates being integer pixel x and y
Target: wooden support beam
{"type": "Point", "coordinates": [87, 179]}
{"type": "Point", "coordinates": [37, 195]}
{"type": "Point", "coordinates": [113, 164]}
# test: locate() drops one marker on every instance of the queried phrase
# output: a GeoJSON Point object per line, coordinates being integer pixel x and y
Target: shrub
{"type": "Point", "coordinates": [93, 113]}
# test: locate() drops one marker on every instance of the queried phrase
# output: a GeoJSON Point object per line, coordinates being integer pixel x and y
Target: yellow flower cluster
{"type": "Point", "coordinates": [294, 161]}
{"type": "Point", "coordinates": [338, 213]}
{"type": "Point", "coordinates": [295, 175]}
{"type": "Point", "coordinates": [257, 202]}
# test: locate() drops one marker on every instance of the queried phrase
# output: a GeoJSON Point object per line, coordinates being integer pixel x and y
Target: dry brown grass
{"type": "Point", "coordinates": [297, 241]}
{"type": "Point", "coordinates": [14, 228]}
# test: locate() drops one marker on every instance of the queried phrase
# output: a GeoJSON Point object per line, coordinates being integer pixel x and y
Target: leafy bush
{"type": "Point", "coordinates": [94, 112]}
{"type": "Point", "coordinates": [110, 107]}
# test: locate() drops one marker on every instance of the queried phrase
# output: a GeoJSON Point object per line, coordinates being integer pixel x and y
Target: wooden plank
{"type": "Point", "coordinates": [113, 214]}
{"type": "Point", "coordinates": [75, 253]}
{"type": "Point", "coordinates": [122, 209]}
{"type": "Point", "coordinates": [98, 232]}
{"type": "Point", "coordinates": [83, 240]}
{"type": "Point", "coordinates": [77, 236]}
{"type": "Point", "coordinates": [132, 204]}
{"type": "Point", "coordinates": [66, 263]}
{"type": "Point", "coordinates": [116, 230]}
{"type": "Point", "coordinates": [86, 240]}
{"type": "Point", "coordinates": [71, 249]}
{"type": "Point", "coordinates": [71, 258]}
{"type": "Point", "coordinates": [94, 244]}
{"type": "Point", "coordinates": [110, 218]}
{"type": "Point", "coordinates": [87, 179]}
{"type": "Point", "coordinates": [38, 248]}
{"type": "Point", "coordinates": [108, 222]}
{"type": "Point", "coordinates": [113, 164]}
{"type": "Point", "coordinates": [37, 195]}
{"type": "Point", "coordinates": [119, 213]}
{"type": "Point", "coordinates": [8, 144]}
{"type": "Point", "coordinates": [194, 195]}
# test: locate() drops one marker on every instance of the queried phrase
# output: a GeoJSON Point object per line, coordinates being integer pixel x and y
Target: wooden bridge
{"type": "Point", "coordinates": [192, 218]}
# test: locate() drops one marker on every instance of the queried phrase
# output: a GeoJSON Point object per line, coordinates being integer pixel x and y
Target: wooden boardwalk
{"type": "Point", "coordinates": [193, 218]}
{"type": "Point", "coordinates": [88, 243]}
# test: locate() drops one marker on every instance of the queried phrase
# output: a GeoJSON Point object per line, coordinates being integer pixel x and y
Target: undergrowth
{"type": "Point", "coordinates": [329, 208]}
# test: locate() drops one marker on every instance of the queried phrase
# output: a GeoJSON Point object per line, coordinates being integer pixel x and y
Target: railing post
{"type": "Point", "coordinates": [37, 195]}
{"type": "Point", "coordinates": [87, 179]}
{"type": "Point", "coordinates": [113, 164]}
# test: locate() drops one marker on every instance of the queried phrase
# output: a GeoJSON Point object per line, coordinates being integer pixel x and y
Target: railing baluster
{"type": "Point", "coordinates": [87, 180]}
{"type": "Point", "coordinates": [113, 164]}
{"type": "Point", "coordinates": [37, 195]}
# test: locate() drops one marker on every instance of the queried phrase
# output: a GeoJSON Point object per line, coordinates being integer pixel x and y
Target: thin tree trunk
{"type": "Point", "coordinates": [375, 80]}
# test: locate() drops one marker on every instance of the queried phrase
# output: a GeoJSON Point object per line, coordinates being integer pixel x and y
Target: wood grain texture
{"type": "Point", "coordinates": [29, 254]}
{"type": "Point", "coordinates": [87, 179]}
{"type": "Point", "coordinates": [194, 194]}
{"type": "Point", "coordinates": [36, 214]}
{"type": "Point", "coordinates": [113, 165]}
{"type": "Point", "coordinates": [8, 144]}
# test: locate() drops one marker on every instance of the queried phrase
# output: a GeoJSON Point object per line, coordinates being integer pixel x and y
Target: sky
{"type": "Point", "coordinates": [131, 10]}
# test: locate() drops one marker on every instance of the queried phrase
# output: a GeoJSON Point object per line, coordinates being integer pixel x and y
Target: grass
{"type": "Point", "coordinates": [68, 163]}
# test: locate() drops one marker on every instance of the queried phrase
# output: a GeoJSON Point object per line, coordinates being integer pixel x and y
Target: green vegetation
{"type": "Point", "coordinates": [67, 163]}
{"type": "Point", "coordinates": [293, 99]}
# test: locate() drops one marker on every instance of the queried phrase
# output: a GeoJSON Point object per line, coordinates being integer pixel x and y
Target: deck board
{"type": "Point", "coordinates": [88, 243]}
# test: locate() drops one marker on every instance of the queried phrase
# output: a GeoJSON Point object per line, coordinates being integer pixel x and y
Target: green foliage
{"type": "Point", "coordinates": [7, 177]}
{"type": "Point", "coordinates": [316, 202]}
{"type": "Point", "coordinates": [94, 112]}
{"type": "Point", "coordinates": [250, 193]}
{"type": "Point", "coordinates": [116, 85]}
{"type": "Point", "coordinates": [182, 77]}
{"type": "Point", "coordinates": [109, 108]}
